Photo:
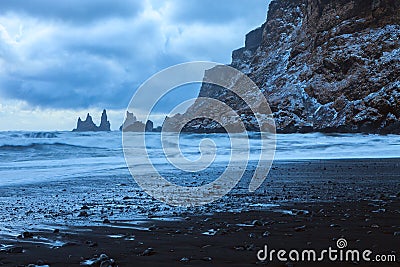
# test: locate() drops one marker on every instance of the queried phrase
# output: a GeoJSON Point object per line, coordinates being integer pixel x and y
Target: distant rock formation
{"type": "Point", "coordinates": [324, 66]}
{"type": "Point", "coordinates": [149, 126]}
{"type": "Point", "coordinates": [104, 123]}
{"type": "Point", "coordinates": [89, 126]}
{"type": "Point", "coordinates": [131, 124]}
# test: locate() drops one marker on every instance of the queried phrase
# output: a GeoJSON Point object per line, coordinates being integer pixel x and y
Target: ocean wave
{"type": "Point", "coordinates": [40, 146]}
{"type": "Point", "coordinates": [41, 135]}
{"type": "Point", "coordinates": [34, 135]}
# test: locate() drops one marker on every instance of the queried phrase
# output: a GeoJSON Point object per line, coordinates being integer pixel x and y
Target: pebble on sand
{"type": "Point", "coordinates": [300, 228]}
{"type": "Point", "coordinates": [103, 261]}
{"type": "Point", "coordinates": [83, 214]}
{"type": "Point", "coordinates": [148, 252]}
{"type": "Point", "coordinates": [185, 260]}
{"type": "Point", "coordinates": [16, 249]}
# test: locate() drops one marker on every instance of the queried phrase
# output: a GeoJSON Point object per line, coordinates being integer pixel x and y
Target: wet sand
{"type": "Point", "coordinates": [304, 205]}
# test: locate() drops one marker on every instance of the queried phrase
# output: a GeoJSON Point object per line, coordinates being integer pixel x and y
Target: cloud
{"type": "Point", "coordinates": [72, 11]}
{"type": "Point", "coordinates": [94, 54]}
{"type": "Point", "coordinates": [217, 12]}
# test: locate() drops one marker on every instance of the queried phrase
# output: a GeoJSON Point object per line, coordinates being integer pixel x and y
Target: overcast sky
{"type": "Point", "coordinates": [62, 59]}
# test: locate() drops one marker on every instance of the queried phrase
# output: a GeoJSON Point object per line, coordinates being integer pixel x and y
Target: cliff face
{"type": "Point", "coordinates": [325, 65]}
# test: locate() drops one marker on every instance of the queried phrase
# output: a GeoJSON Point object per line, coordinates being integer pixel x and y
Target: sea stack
{"type": "Point", "coordinates": [131, 124]}
{"type": "Point", "coordinates": [104, 124]}
{"type": "Point", "coordinates": [89, 126]}
{"type": "Point", "coordinates": [149, 126]}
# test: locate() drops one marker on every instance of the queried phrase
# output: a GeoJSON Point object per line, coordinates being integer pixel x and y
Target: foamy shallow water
{"type": "Point", "coordinates": [31, 157]}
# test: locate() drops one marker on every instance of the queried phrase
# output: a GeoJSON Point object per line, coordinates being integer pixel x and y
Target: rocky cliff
{"type": "Point", "coordinates": [89, 126]}
{"type": "Point", "coordinates": [324, 65]}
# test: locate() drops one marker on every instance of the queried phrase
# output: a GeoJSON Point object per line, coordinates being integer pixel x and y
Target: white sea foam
{"type": "Point", "coordinates": [27, 157]}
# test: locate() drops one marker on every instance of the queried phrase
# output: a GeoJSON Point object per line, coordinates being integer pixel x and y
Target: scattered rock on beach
{"type": "Point", "coordinates": [107, 263]}
{"type": "Point", "coordinates": [250, 247]}
{"type": "Point", "coordinates": [300, 228]}
{"type": "Point", "coordinates": [70, 244]}
{"type": "Point", "coordinates": [91, 244]}
{"type": "Point", "coordinates": [266, 234]}
{"type": "Point", "coordinates": [16, 249]}
{"type": "Point", "coordinates": [207, 259]}
{"type": "Point", "coordinates": [381, 210]}
{"type": "Point", "coordinates": [41, 263]}
{"type": "Point", "coordinates": [102, 261]}
{"type": "Point", "coordinates": [210, 232]}
{"type": "Point", "coordinates": [152, 228]}
{"type": "Point", "coordinates": [25, 234]}
{"type": "Point", "coordinates": [239, 248]}
{"type": "Point", "coordinates": [148, 252]}
{"type": "Point", "coordinates": [103, 257]}
{"type": "Point", "coordinates": [185, 260]}
{"type": "Point", "coordinates": [83, 214]}
{"type": "Point", "coordinates": [257, 223]}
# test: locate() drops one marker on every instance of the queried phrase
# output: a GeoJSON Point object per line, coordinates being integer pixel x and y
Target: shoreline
{"type": "Point", "coordinates": [221, 239]}
{"type": "Point", "coordinates": [394, 160]}
{"type": "Point", "coordinates": [360, 198]}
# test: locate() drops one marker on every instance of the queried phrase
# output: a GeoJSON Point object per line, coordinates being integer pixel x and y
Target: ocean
{"type": "Point", "coordinates": [46, 178]}
{"type": "Point", "coordinates": [32, 157]}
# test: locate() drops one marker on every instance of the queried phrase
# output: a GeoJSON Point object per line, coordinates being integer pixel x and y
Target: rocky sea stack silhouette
{"type": "Point", "coordinates": [131, 124]}
{"type": "Point", "coordinates": [89, 126]}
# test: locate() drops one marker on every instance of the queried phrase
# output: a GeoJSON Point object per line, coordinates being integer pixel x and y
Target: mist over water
{"type": "Point", "coordinates": [30, 157]}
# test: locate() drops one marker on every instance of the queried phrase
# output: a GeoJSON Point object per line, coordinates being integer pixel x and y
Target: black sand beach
{"type": "Point", "coordinates": [301, 205]}
{"type": "Point", "coordinates": [95, 92]}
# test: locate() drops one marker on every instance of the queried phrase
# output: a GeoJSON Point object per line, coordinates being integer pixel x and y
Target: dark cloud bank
{"type": "Point", "coordinates": [80, 54]}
